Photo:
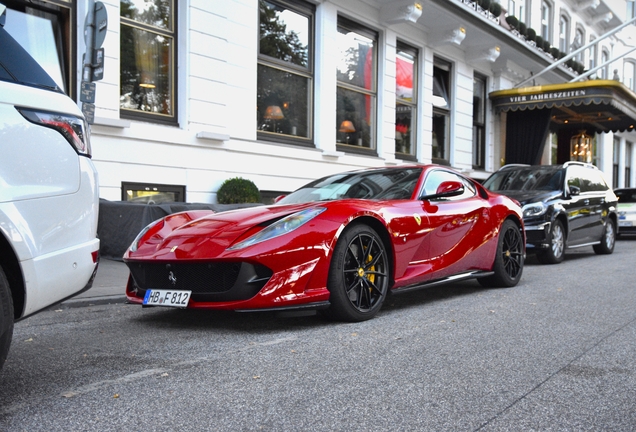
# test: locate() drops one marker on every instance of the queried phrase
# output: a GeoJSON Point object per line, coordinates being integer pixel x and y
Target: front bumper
{"type": "Point", "coordinates": [537, 235]}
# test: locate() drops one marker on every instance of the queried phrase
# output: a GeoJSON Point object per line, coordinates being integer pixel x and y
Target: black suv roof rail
{"type": "Point", "coordinates": [513, 166]}
{"type": "Point", "coordinates": [583, 164]}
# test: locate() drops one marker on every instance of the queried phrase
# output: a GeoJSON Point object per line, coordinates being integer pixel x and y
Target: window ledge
{"type": "Point", "coordinates": [213, 136]}
{"type": "Point", "coordinates": [115, 123]}
{"type": "Point", "coordinates": [332, 154]}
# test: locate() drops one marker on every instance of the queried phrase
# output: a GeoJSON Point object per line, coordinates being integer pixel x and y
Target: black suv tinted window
{"type": "Point", "coordinates": [526, 178]}
{"type": "Point", "coordinates": [16, 65]}
{"type": "Point", "coordinates": [587, 179]}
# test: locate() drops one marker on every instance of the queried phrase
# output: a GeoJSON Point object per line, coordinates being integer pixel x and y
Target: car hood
{"type": "Point", "coordinates": [527, 197]}
{"type": "Point", "coordinates": [212, 234]}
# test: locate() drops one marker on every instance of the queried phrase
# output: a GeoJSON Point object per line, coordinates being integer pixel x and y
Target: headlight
{"type": "Point", "coordinates": [135, 244]}
{"type": "Point", "coordinates": [281, 227]}
{"type": "Point", "coordinates": [534, 209]}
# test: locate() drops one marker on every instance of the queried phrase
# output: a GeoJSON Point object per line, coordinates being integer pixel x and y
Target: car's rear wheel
{"type": "Point", "coordinates": [508, 266]}
{"type": "Point", "coordinates": [358, 275]}
{"type": "Point", "coordinates": [608, 240]}
{"type": "Point", "coordinates": [6, 318]}
{"type": "Point", "coordinates": [556, 252]}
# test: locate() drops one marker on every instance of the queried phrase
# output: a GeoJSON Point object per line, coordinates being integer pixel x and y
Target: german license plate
{"type": "Point", "coordinates": [624, 223]}
{"type": "Point", "coordinates": [167, 298]}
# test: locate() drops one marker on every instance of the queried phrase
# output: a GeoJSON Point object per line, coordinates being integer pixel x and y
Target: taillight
{"type": "Point", "coordinates": [73, 128]}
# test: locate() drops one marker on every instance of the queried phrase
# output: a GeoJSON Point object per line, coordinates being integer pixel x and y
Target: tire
{"type": "Point", "coordinates": [608, 240]}
{"type": "Point", "coordinates": [358, 275]}
{"type": "Point", "coordinates": [6, 318]}
{"type": "Point", "coordinates": [508, 266]}
{"type": "Point", "coordinates": [556, 252]}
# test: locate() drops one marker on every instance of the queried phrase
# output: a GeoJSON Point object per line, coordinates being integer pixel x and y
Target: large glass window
{"type": "Point", "coordinates": [356, 93]}
{"type": "Point", "coordinates": [285, 71]}
{"type": "Point", "coordinates": [628, 163]}
{"type": "Point", "coordinates": [441, 110]}
{"type": "Point", "coordinates": [406, 100]}
{"type": "Point", "coordinates": [148, 60]}
{"type": "Point", "coordinates": [593, 54]}
{"type": "Point", "coordinates": [479, 122]}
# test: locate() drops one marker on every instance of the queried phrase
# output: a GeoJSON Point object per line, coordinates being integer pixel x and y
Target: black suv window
{"type": "Point", "coordinates": [16, 65]}
{"type": "Point", "coordinates": [587, 179]}
{"type": "Point", "coordinates": [526, 179]}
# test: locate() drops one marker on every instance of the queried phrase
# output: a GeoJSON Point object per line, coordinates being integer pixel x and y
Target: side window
{"type": "Point", "coordinates": [435, 178]}
{"type": "Point", "coordinates": [573, 178]}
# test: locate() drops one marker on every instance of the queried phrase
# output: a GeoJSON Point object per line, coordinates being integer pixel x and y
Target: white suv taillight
{"type": "Point", "coordinates": [74, 129]}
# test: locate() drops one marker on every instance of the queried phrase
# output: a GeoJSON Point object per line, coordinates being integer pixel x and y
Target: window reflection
{"type": "Point", "coordinates": [147, 58]}
{"type": "Point", "coordinates": [356, 93]}
{"type": "Point", "coordinates": [37, 36]}
{"type": "Point", "coordinates": [284, 86]}
{"type": "Point", "coordinates": [406, 99]}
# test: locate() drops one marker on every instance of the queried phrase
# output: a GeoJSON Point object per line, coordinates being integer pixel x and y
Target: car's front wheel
{"type": "Point", "coordinates": [508, 265]}
{"type": "Point", "coordinates": [358, 275]}
{"type": "Point", "coordinates": [6, 318]}
{"type": "Point", "coordinates": [608, 240]}
{"type": "Point", "coordinates": [556, 252]}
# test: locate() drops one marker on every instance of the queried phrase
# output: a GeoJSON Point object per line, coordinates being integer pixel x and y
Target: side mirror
{"type": "Point", "coordinates": [575, 190]}
{"type": "Point", "coordinates": [446, 189]}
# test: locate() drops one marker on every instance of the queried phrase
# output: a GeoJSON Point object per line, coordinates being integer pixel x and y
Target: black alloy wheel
{"type": "Point", "coordinates": [508, 266]}
{"type": "Point", "coordinates": [358, 276]}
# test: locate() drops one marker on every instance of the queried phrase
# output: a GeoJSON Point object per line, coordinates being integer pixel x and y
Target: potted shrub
{"type": "Point", "coordinates": [531, 34]}
{"type": "Point", "coordinates": [512, 21]}
{"type": "Point", "coordinates": [523, 29]}
{"type": "Point", "coordinates": [546, 46]}
{"type": "Point", "coordinates": [495, 8]}
{"type": "Point", "coordinates": [238, 191]}
{"type": "Point", "coordinates": [539, 41]}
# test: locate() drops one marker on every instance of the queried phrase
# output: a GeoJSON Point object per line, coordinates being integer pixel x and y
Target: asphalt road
{"type": "Point", "coordinates": [557, 352]}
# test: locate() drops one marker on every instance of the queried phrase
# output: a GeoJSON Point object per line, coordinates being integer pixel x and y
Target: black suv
{"type": "Point", "coordinates": [564, 206]}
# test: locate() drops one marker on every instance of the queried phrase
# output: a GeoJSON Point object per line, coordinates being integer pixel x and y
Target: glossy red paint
{"type": "Point", "coordinates": [425, 239]}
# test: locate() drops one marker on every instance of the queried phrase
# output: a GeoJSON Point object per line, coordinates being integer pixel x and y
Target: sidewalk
{"type": "Point", "coordinates": [109, 286]}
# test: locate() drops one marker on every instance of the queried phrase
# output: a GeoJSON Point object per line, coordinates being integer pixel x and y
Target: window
{"type": "Point", "coordinates": [44, 30]}
{"type": "Point", "coordinates": [356, 92]}
{"type": "Point", "coordinates": [629, 77]}
{"type": "Point", "coordinates": [285, 71]}
{"type": "Point", "coordinates": [149, 193]}
{"type": "Point", "coordinates": [593, 53]}
{"type": "Point", "coordinates": [564, 34]}
{"type": "Point", "coordinates": [516, 8]}
{"type": "Point", "coordinates": [435, 178]}
{"type": "Point", "coordinates": [479, 121]}
{"type": "Point", "coordinates": [148, 60]}
{"type": "Point", "coordinates": [616, 156]}
{"type": "Point", "coordinates": [406, 100]}
{"type": "Point", "coordinates": [631, 9]}
{"type": "Point", "coordinates": [441, 110]}
{"type": "Point", "coordinates": [579, 41]}
{"type": "Point", "coordinates": [546, 21]}
{"type": "Point", "coordinates": [628, 163]}
{"type": "Point", "coordinates": [603, 73]}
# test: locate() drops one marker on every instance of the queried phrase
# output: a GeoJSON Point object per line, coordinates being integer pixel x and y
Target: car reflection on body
{"type": "Point", "coordinates": [338, 245]}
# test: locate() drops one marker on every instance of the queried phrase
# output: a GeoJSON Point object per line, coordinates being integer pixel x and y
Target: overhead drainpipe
{"type": "Point", "coordinates": [574, 53]}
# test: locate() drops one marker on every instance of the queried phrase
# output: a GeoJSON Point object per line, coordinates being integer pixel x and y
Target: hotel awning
{"type": "Point", "coordinates": [595, 105]}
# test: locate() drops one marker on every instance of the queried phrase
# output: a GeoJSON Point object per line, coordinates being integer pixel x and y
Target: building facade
{"type": "Point", "coordinates": [190, 93]}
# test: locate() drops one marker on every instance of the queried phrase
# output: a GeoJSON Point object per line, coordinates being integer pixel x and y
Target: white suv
{"type": "Point", "coordinates": [49, 199]}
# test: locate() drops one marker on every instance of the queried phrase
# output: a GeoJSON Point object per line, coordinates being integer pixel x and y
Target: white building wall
{"type": "Point", "coordinates": [216, 137]}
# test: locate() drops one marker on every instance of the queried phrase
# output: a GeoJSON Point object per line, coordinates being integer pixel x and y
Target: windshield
{"type": "Point", "coordinates": [626, 195]}
{"type": "Point", "coordinates": [526, 179]}
{"type": "Point", "coordinates": [376, 184]}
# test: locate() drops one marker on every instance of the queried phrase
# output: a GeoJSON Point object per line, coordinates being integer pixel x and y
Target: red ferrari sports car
{"type": "Point", "coordinates": [338, 244]}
